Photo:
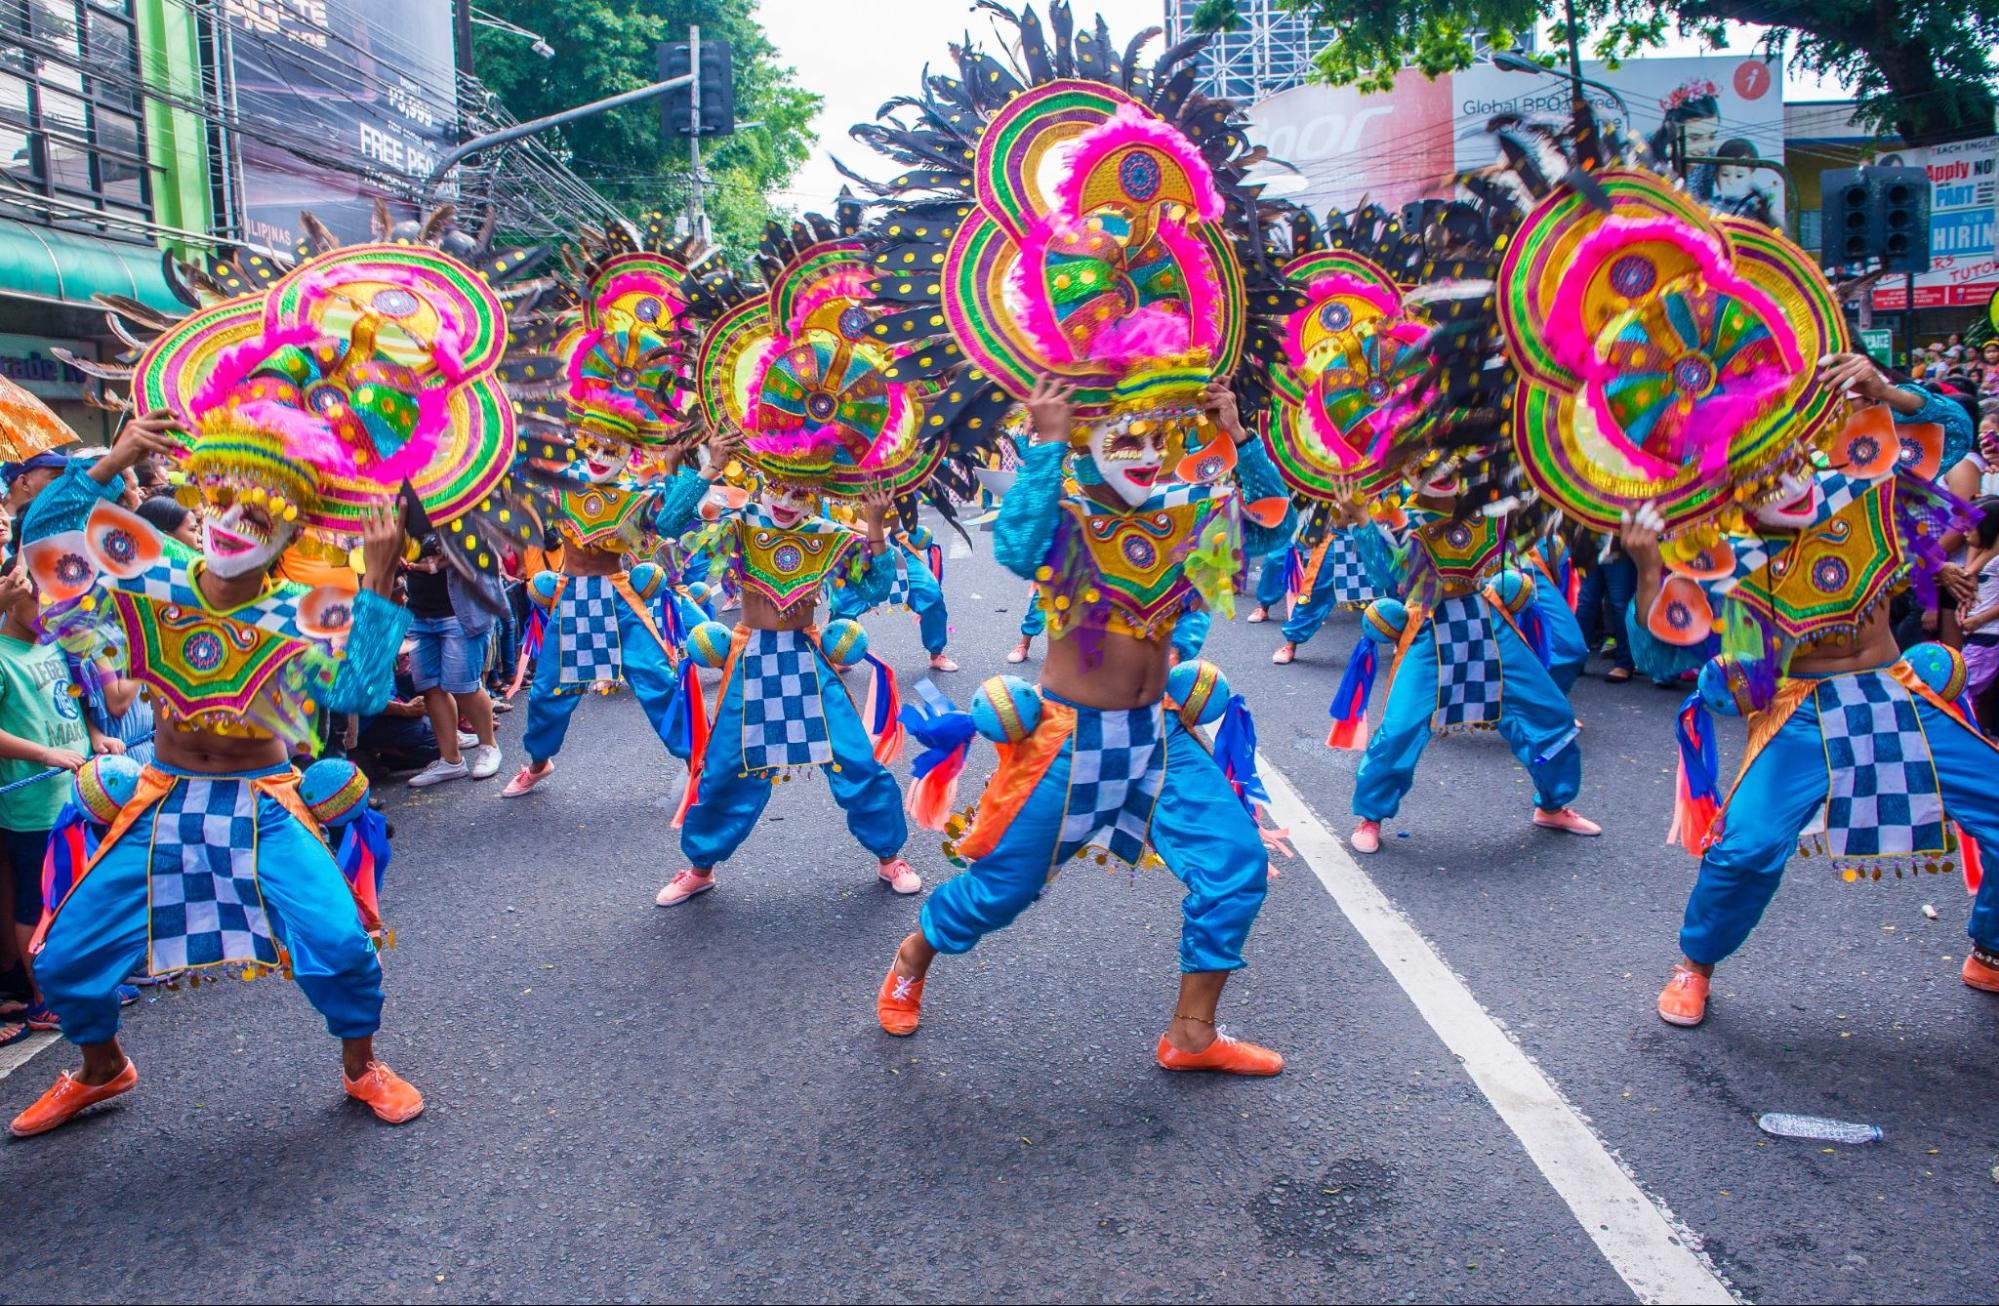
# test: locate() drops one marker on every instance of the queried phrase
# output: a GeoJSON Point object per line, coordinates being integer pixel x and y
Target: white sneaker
{"type": "Point", "coordinates": [437, 773]}
{"type": "Point", "coordinates": [484, 761]}
{"type": "Point", "coordinates": [466, 739]}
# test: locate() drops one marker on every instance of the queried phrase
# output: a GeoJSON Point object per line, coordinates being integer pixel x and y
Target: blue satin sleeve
{"type": "Point", "coordinates": [366, 678]}
{"type": "Point", "coordinates": [1947, 413]}
{"type": "Point", "coordinates": [1191, 632]}
{"type": "Point", "coordinates": [679, 505]}
{"type": "Point", "coordinates": [1024, 531]}
{"type": "Point", "coordinates": [1655, 657]}
{"type": "Point", "coordinates": [876, 577]}
{"type": "Point", "coordinates": [1258, 479]}
{"type": "Point", "coordinates": [65, 503]}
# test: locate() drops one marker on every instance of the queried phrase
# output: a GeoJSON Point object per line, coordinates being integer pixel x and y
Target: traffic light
{"type": "Point", "coordinates": [1875, 213]}
{"type": "Point", "coordinates": [718, 90]}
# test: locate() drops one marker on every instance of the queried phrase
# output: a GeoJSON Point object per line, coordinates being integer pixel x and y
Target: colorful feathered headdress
{"type": "Point", "coordinates": [1078, 220]}
{"type": "Point", "coordinates": [1653, 352]}
{"type": "Point", "coordinates": [323, 380]}
{"type": "Point", "coordinates": [1343, 358]}
{"type": "Point", "coordinates": [358, 371]}
{"type": "Point", "coordinates": [804, 369]}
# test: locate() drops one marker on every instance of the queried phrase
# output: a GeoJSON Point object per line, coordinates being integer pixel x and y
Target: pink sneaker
{"type": "Point", "coordinates": [684, 886]}
{"type": "Point", "coordinates": [1258, 615]}
{"type": "Point", "coordinates": [942, 662]}
{"type": "Point", "coordinates": [1567, 820]}
{"type": "Point", "coordinates": [1366, 837]}
{"type": "Point", "coordinates": [900, 876]}
{"type": "Point", "coordinates": [527, 778]}
{"type": "Point", "coordinates": [1018, 653]}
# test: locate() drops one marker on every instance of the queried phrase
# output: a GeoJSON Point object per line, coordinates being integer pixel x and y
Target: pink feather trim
{"type": "Point", "coordinates": [446, 350]}
{"type": "Point", "coordinates": [646, 283]}
{"type": "Point", "coordinates": [1155, 331]}
{"type": "Point", "coordinates": [234, 364]}
{"type": "Point", "coordinates": [842, 283]}
{"type": "Point", "coordinates": [306, 438]}
{"type": "Point", "coordinates": [1132, 125]}
{"type": "Point", "coordinates": [1339, 283]}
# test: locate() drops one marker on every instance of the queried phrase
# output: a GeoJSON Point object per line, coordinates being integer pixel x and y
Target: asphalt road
{"type": "Point", "coordinates": [635, 1104]}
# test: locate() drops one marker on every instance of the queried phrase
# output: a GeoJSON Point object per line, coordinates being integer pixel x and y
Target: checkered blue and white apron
{"type": "Point", "coordinates": [1468, 671]}
{"type": "Point", "coordinates": [1884, 799]}
{"type": "Point", "coordinates": [1342, 574]}
{"type": "Point", "coordinates": [784, 717]}
{"type": "Point", "coordinates": [898, 585]}
{"type": "Point", "coordinates": [1117, 765]}
{"type": "Point", "coordinates": [591, 647]}
{"type": "Point", "coordinates": [204, 905]}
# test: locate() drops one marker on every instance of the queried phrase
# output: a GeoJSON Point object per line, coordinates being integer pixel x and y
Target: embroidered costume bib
{"type": "Point", "coordinates": [788, 566]}
{"type": "Point", "coordinates": [256, 671]}
{"type": "Point", "coordinates": [1137, 561]}
{"type": "Point", "coordinates": [1833, 574]}
{"type": "Point", "coordinates": [1461, 552]}
{"type": "Point", "coordinates": [601, 516]}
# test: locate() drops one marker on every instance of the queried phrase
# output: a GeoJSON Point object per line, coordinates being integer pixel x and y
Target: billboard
{"type": "Point", "coordinates": [1963, 269]}
{"type": "Point", "coordinates": [341, 101]}
{"type": "Point", "coordinates": [1403, 144]}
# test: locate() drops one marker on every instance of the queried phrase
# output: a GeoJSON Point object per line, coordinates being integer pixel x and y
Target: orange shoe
{"type": "Point", "coordinates": [899, 1005]}
{"type": "Point", "coordinates": [70, 1095]}
{"type": "Point", "coordinates": [1981, 970]}
{"type": "Point", "coordinates": [1230, 1056]}
{"type": "Point", "coordinates": [391, 1097]}
{"type": "Point", "coordinates": [1684, 1000]}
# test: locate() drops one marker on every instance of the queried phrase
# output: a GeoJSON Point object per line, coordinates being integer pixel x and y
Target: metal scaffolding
{"type": "Point", "coordinates": [1269, 51]}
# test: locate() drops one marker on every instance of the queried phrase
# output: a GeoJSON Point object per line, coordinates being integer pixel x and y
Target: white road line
{"type": "Point", "coordinates": [20, 1054]}
{"type": "Point", "coordinates": [1650, 1250]}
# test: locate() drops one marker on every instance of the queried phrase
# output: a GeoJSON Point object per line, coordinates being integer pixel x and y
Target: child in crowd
{"type": "Point", "coordinates": [42, 726]}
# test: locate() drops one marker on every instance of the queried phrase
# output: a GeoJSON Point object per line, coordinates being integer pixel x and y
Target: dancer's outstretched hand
{"type": "Point", "coordinates": [1052, 405]}
{"type": "Point", "coordinates": [381, 545]}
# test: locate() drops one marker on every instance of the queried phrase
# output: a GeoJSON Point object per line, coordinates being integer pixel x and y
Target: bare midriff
{"type": "Point", "coordinates": [580, 561]}
{"type": "Point", "coordinates": [759, 613]}
{"type": "Point", "coordinates": [1129, 672]}
{"type": "Point", "coordinates": [193, 749]}
{"type": "Point", "coordinates": [1873, 645]}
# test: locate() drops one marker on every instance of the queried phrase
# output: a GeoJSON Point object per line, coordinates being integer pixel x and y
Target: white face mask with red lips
{"type": "Point", "coordinates": [603, 461]}
{"type": "Point", "coordinates": [785, 506]}
{"type": "Point", "coordinates": [1129, 463]}
{"type": "Point", "coordinates": [235, 543]}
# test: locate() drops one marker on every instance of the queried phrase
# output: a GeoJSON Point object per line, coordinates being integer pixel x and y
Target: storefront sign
{"type": "Point", "coordinates": [30, 362]}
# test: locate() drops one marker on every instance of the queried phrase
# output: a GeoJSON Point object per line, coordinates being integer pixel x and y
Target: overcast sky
{"type": "Point", "coordinates": [858, 53]}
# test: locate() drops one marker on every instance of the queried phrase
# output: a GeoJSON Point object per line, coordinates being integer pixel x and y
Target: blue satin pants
{"type": "Point", "coordinates": [1534, 719]}
{"type": "Point", "coordinates": [1199, 829]}
{"type": "Point", "coordinates": [100, 935]}
{"type": "Point", "coordinates": [926, 600]}
{"type": "Point", "coordinates": [729, 801]}
{"type": "Point", "coordinates": [1567, 649]}
{"type": "Point", "coordinates": [645, 668]}
{"type": "Point", "coordinates": [1778, 796]}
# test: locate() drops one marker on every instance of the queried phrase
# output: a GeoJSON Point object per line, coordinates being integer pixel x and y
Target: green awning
{"type": "Point", "coordinates": [68, 268]}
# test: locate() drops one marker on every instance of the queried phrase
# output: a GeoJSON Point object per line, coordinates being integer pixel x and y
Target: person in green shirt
{"type": "Point", "coordinates": [41, 727]}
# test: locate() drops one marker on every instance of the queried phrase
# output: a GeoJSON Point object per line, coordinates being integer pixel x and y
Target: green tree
{"type": "Point", "coordinates": [1923, 68]}
{"type": "Point", "coordinates": [603, 47]}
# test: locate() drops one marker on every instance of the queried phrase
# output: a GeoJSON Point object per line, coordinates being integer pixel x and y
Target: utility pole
{"type": "Point", "coordinates": [461, 13]}
{"type": "Point", "coordinates": [697, 210]}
